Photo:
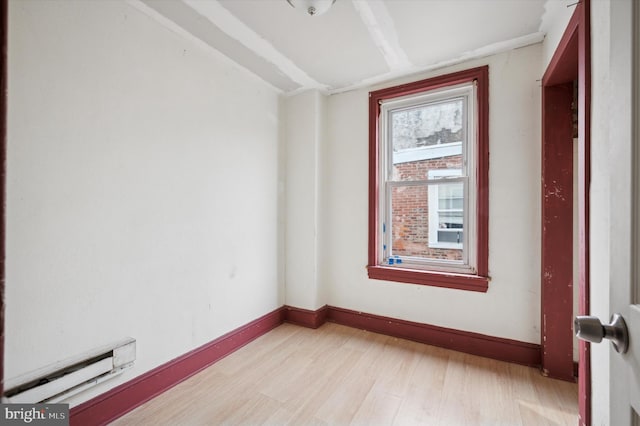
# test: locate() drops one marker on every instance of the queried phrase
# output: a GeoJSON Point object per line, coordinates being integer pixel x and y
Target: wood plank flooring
{"type": "Point", "coordinates": [338, 375]}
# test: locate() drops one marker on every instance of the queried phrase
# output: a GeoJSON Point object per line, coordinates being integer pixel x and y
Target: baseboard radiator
{"type": "Point", "coordinates": [62, 380]}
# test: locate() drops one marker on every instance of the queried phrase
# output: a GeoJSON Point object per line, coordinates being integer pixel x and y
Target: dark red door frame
{"type": "Point", "coordinates": [3, 170]}
{"type": "Point", "coordinates": [557, 232]}
{"type": "Point", "coordinates": [571, 61]}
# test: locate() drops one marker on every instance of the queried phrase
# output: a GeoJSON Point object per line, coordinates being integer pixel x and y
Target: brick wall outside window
{"type": "Point", "coordinates": [410, 210]}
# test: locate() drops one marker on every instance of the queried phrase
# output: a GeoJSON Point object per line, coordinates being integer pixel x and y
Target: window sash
{"type": "Point", "coordinates": [465, 92]}
{"type": "Point", "coordinates": [468, 262]}
{"type": "Point", "coordinates": [434, 219]}
{"type": "Point", "coordinates": [426, 262]}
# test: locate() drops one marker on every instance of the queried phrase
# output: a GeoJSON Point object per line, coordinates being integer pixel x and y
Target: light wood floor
{"type": "Point", "coordinates": [340, 375]}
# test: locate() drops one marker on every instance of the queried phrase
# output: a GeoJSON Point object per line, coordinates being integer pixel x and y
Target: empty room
{"type": "Point", "coordinates": [327, 212]}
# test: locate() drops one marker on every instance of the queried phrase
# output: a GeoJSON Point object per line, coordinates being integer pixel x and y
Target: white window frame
{"type": "Point", "coordinates": [434, 211]}
{"type": "Point", "coordinates": [467, 175]}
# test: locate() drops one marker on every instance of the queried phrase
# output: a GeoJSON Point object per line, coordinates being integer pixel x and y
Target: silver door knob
{"type": "Point", "coordinates": [592, 330]}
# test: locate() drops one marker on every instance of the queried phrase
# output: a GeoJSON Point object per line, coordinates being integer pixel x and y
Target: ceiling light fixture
{"type": "Point", "coordinates": [312, 7]}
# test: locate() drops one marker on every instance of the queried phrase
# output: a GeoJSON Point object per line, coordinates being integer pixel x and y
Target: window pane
{"type": "Point", "coordinates": [445, 236]}
{"type": "Point", "coordinates": [450, 214]}
{"type": "Point", "coordinates": [412, 218]}
{"type": "Point", "coordinates": [451, 196]}
{"type": "Point", "coordinates": [427, 137]}
{"type": "Point", "coordinates": [450, 219]}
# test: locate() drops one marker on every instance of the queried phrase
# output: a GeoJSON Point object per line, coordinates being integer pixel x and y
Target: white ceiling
{"type": "Point", "coordinates": [355, 43]}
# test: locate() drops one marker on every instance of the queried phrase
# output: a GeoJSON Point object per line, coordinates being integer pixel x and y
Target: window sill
{"type": "Point", "coordinates": [430, 278]}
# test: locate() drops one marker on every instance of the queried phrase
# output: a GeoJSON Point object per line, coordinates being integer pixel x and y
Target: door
{"type": "Point", "coordinates": [625, 278]}
{"type": "Point", "coordinates": [622, 375]}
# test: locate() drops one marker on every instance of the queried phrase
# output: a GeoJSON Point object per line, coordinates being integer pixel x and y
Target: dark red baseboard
{"type": "Point", "coordinates": [124, 398]}
{"type": "Point", "coordinates": [472, 343]}
{"type": "Point", "coordinates": [306, 317]}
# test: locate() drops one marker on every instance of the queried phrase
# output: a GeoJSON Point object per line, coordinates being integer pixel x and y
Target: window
{"type": "Point", "coordinates": [446, 218]}
{"type": "Point", "coordinates": [428, 173]}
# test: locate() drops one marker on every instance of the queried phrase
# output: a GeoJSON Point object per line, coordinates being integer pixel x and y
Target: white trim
{"type": "Point", "coordinates": [427, 152]}
{"type": "Point", "coordinates": [379, 23]}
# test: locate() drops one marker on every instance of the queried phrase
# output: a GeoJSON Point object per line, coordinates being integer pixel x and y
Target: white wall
{"type": "Point", "coordinates": [511, 307]}
{"type": "Point", "coordinates": [557, 14]}
{"type": "Point", "coordinates": [142, 188]}
{"type": "Point", "coordinates": [304, 134]}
